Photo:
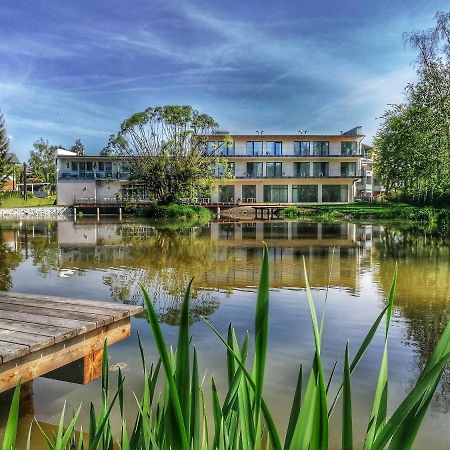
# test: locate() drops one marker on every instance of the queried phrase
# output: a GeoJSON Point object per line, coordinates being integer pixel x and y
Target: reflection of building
{"type": "Point", "coordinates": [266, 169]}
{"type": "Point", "coordinates": [220, 255]}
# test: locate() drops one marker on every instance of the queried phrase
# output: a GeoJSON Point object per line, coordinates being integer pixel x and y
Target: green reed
{"type": "Point", "coordinates": [176, 418]}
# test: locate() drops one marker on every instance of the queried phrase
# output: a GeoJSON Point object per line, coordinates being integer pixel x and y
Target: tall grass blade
{"type": "Point", "coordinates": [178, 433]}
{"type": "Point", "coordinates": [295, 410]}
{"type": "Point", "coordinates": [195, 405]}
{"type": "Point", "coordinates": [261, 332]}
{"type": "Point", "coordinates": [9, 439]}
{"type": "Point", "coordinates": [347, 417]}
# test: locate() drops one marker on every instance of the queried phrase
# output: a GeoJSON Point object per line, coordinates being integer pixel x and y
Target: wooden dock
{"type": "Point", "coordinates": [41, 334]}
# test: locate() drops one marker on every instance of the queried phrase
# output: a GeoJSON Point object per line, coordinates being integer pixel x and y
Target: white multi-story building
{"type": "Point", "coordinates": [277, 169]}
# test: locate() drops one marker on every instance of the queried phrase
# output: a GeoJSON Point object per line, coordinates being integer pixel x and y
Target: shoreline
{"type": "Point", "coordinates": [37, 212]}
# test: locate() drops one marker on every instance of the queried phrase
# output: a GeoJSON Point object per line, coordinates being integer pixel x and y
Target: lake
{"type": "Point", "coordinates": [109, 260]}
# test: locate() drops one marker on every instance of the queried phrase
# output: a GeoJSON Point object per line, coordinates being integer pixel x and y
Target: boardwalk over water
{"type": "Point", "coordinates": [39, 334]}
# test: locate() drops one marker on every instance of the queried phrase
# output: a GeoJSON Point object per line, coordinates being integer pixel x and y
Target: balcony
{"type": "Point", "coordinates": [94, 175]}
{"type": "Point", "coordinates": [329, 174]}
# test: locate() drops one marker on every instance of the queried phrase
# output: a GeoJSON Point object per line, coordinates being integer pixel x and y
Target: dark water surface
{"type": "Point", "coordinates": [108, 261]}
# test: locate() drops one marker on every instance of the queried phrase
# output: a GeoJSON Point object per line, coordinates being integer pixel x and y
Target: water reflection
{"type": "Point", "coordinates": [225, 258]}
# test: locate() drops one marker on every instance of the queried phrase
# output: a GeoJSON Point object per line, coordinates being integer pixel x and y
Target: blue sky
{"type": "Point", "coordinates": [75, 69]}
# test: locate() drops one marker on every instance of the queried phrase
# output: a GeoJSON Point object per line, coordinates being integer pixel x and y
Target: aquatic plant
{"type": "Point", "coordinates": [177, 418]}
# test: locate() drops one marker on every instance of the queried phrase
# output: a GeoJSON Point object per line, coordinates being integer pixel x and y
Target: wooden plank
{"type": "Point", "coordinates": [43, 361]}
{"type": "Point", "coordinates": [133, 309]}
{"type": "Point", "coordinates": [56, 307]}
{"type": "Point", "coordinates": [79, 325]}
{"type": "Point", "coordinates": [95, 319]}
{"type": "Point", "coordinates": [33, 341]}
{"type": "Point", "coordinates": [10, 351]}
{"type": "Point", "coordinates": [36, 328]}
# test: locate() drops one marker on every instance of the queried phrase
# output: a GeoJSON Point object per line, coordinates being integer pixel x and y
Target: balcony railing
{"type": "Point", "coordinates": [320, 175]}
{"type": "Point", "coordinates": [93, 176]}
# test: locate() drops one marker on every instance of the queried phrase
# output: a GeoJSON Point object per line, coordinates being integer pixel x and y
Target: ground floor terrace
{"type": "Point", "coordinates": [280, 191]}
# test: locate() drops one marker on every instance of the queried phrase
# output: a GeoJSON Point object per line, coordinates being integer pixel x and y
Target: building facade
{"type": "Point", "coordinates": [264, 169]}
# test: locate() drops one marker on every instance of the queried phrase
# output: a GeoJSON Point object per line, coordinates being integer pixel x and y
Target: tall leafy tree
{"type": "Point", "coordinates": [78, 148]}
{"type": "Point", "coordinates": [413, 143]}
{"type": "Point", "coordinates": [6, 167]}
{"type": "Point", "coordinates": [165, 148]}
{"type": "Point", "coordinates": [42, 161]}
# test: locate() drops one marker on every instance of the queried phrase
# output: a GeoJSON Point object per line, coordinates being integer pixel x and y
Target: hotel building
{"type": "Point", "coordinates": [277, 169]}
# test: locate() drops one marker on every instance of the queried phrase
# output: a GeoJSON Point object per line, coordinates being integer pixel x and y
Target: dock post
{"type": "Point", "coordinates": [218, 212]}
{"type": "Point", "coordinates": [120, 213]}
{"type": "Point", "coordinates": [98, 214]}
{"type": "Point", "coordinates": [74, 214]}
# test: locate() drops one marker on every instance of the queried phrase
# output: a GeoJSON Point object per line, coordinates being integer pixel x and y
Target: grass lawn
{"type": "Point", "coordinates": [15, 202]}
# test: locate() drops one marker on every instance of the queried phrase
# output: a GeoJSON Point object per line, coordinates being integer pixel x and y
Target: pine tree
{"type": "Point", "coordinates": [5, 165]}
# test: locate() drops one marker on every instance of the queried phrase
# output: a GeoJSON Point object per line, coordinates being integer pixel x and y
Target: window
{"type": "Point", "coordinates": [321, 148]}
{"type": "Point", "coordinates": [101, 166]}
{"type": "Point", "coordinates": [321, 169]}
{"type": "Point", "coordinates": [108, 167]}
{"type": "Point", "coordinates": [254, 148]}
{"type": "Point", "coordinates": [275, 230]}
{"type": "Point", "coordinates": [74, 166]}
{"type": "Point", "coordinates": [210, 147]}
{"type": "Point", "coordinates": [302, 148]}
{"type": "Point", "coordinates": [249, 193]}
{"type": "Point", "coordinates": [301, 169]}
{"type": "Point", "coordinates": [125, 168]}
{"type": "Point", "coordinates": [348, 169]}
{"type": "Point", "coordinates": [273, 148]}
{"type": "Point", "coordinates": [276, 193]}
{"type": "Point", "coordinates": [225, 149]}
{"type": "Point", "coordinates": [274, 169]}
{"type": "Point", "coordinates": [222, 169]}
{"type": "Point", "coordinates": [82, 167]}
{"type": "Point", "coordinates": [305, 193]}
{"type": "Point", "coordinates": [349, 148]}
{"type": "Point", "coordinates": [334, 193]}
{"type": "Point", "coordinates": [89, 166]}
{"type": "Point", "coordinates": [255, 169]}
{"type": "Point", "coordinates": [226, 193]}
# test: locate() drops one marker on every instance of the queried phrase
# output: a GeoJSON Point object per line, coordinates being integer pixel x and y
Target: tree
{"type": "Point", "coordinates": [412, 146]}
{"type": "Point", "coordinates": [42, 161]}
{"type": "Point", "coordinates": [165, 149]}
{"type": "Point", "coordinates": [108, 149]}
{"type": "Point", "coordinates": [78, 148]}
{"type": "Point", "coordinates": [6, 167]}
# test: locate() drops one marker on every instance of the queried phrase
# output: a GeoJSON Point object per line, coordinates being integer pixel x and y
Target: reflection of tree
{"type": "Point", "coordinates": [423, 291]}
{"type": "Point", "coordinates": [44, 248]}
{"type": "Point", "coordinates": [9, 260]}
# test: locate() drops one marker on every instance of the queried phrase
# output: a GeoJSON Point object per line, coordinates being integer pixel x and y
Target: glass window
{"type": "Point", "coordinates": [273, 148]}
{"type": "Point", "coordinates": [349, 148]}
{"type": "Point", "coordinates": [125, 168]}
{"type": "Point", "coordinates": [226, 193]}
{"type": "Point", "coordinates": [74, 166]}
{"type": "Point", "coordinates": [275, 230]}
{"type": "Point", "coordinates": [255, 169]}
{"type": "Point", "coordinates": [254, 148]}
{"type": "Point", "coordinates": [276, 193]}
{"type": "Point", "coordinates": [321, 169]}
{"type": "Point", "coordinates": [301, 169]}
{"type": "Point", "coordinates": [108, 166]}
{"type": "Point", "coordinates": [305, 193]}
{"type": "Point", "coordinates": [334, 193]}
{"type": "Point", "coordinates": [211, 147]}
{"type": "Point", "coordinates": [89, 166]}
{"type": "Point", "coordinates": [302, 148]}
{"type": "Point", "coordinates": [321, 148]}
{"type": "Point", "coordinates": [225, 149]}
{"type": "Point", "coordinates": [82, 166]}
{"type": "Point", "coordinates": [274, 169]}
{"type": "Point", "coordinates": [249, 193]}
{"type": "Point", "coordinates": [348, 169]}
{"type": "Point", "coordinates": [101, 166]}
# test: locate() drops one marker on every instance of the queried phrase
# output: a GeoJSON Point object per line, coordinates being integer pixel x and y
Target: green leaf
{"type": "Point", "coordinates": [347, 418]}
{"type": "Point", "coordinates": [178, 434]}
{"type": "Point", "coordinates": [9, 439]}
{"type": "Point", "coordinates": [295, 410]}
{"type": "Point", "coordinates": [195, 405]}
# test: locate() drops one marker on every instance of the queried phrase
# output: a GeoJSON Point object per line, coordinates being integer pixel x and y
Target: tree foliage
{"type": "Point", "coordinates": [6, 167]}
{"type": "Point", "coordinates": [78, 148]}
{"type": "Point", "coordinates": [412, 154]}
{"type": "Point", "coordinates": [42, 161]}
{"type": "Point", "coordinates": [165, 149]}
